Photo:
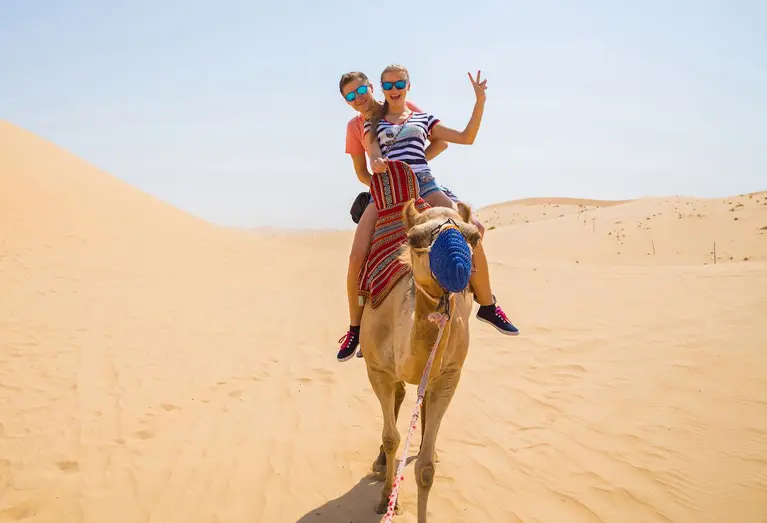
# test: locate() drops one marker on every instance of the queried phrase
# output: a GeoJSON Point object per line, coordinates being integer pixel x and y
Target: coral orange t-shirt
{"type": "Point", "coordinates": [354, 130]}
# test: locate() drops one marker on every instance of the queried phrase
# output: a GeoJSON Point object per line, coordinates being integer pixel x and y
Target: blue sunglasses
{"type": "Point", "coordinates": [399, 84]}
{"type": "Point", "coordinates": [361, 90]}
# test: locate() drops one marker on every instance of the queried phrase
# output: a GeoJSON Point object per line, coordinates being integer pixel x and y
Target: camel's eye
{"type": "Point", "coordinates": [471, 234]}
{"type": "Point", "coordinates": [418, 239]}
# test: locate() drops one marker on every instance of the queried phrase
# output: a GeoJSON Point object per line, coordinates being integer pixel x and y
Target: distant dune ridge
{"type": "Point", "coordinates": [674, 230]}
{"type": "Point", "coordinates": [157, 367]}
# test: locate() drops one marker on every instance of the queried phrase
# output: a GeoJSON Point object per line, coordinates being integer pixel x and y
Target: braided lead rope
{"type": "Point", "coordinates": [440, 318]}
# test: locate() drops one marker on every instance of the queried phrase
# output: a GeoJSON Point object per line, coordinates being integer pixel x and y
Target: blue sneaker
{"type": "Point", "coordinates": [494, 315]}
{"type": "Point", "coordinates": [349, 343]}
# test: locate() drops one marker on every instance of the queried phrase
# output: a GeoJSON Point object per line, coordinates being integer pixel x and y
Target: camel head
{"type": "Point", "coordinates": [439, 247]}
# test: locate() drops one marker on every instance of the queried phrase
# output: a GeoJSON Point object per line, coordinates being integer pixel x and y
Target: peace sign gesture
{"type": "Point", "coordinates": [479, 87]}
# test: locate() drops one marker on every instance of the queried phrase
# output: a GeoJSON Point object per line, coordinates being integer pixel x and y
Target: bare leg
{"type": "Point", "coordinates": [440, 199]}
{"type": "Point", "coordinates": [480, 279]}
{"type": "Point", "coordinates": [379, 465]}
{"type": "Point", "coordinates": [479, 225]}
{"type": "Point", "coordinates": [363, 237]}
{"type": "Point", "coordinates": [438, 399]}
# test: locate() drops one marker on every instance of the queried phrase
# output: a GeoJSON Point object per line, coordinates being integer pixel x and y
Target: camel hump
{"type": "Point", "coordinates": [395, 187]}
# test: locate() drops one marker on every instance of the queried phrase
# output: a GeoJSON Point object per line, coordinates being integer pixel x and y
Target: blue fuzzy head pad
{"type": "Point", "coordinates": [450, 260]}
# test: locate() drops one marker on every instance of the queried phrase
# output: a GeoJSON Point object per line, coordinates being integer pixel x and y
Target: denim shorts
{"type": "Point", "coordinates": [426, 183]}
{"type": "Point", "coordinates": [450, 194]}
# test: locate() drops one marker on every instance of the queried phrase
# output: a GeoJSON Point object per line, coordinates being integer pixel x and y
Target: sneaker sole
{"type": "Point", "coordinates": [341, 360]}
{"type": "Point", "coordinates": [507, 333]}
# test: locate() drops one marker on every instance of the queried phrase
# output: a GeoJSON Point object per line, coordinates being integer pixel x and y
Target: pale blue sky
{"type": "Point", "coordinates": [231, 110]}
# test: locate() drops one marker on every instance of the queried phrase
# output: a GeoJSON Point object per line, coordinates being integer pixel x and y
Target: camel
{"type": "Point", "coordinates": [398, 338]}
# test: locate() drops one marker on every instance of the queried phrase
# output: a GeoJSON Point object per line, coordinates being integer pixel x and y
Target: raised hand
{"type": "Point", "coordinates": [480, 87]}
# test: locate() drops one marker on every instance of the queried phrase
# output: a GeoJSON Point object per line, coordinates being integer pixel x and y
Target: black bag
{"type": "Point", "coordinates": [360, 204]}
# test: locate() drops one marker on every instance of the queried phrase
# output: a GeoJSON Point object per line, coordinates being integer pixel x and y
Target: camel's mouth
{"type": "Point", "coordinates": [450, 258]}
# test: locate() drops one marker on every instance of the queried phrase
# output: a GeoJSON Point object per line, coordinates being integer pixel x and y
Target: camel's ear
{"type": "Point", "coordinates": [409, 215]}
{"type": "Point", "coordinates": [465, 211]}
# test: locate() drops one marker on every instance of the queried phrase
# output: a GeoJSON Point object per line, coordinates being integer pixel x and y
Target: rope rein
{"type": "Point", "coordinates": [441, 319]}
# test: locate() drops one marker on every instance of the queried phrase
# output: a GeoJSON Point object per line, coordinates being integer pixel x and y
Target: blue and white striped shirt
{"type": "Point", "coordinates": [410, 146]}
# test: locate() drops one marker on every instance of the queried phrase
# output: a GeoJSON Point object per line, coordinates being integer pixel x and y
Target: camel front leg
{"type": "Point", "coordinates": [437, 399]}
{"type": "Point", "coordinates": [423, 432]}
{"type": "Point", "coordinates": [385, 389]}
{"type": "Point", "coordinates": [379, 465]}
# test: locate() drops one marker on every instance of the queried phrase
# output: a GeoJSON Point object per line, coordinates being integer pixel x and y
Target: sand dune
{"type": "Point", "coordinates": [158, 368]}
{"type": "Point", "coordinates": [657, 231]}
{"type": "Point", "coordinates": [534, 209]}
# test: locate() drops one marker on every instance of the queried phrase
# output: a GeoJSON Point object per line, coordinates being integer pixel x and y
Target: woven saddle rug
{"type": "Point", "coordinates": [391, 191]}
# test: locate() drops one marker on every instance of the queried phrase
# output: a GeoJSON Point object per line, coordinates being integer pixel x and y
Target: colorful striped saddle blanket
{"type": "Point", "coordinates": [391, 190]}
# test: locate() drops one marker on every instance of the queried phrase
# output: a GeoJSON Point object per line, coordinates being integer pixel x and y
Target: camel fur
{"type": "Point", "coordinates": [398, 337]}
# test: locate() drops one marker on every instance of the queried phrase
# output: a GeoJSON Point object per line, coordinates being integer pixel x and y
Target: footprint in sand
{"type": "Point", "coordinates": [169, 407]}
{"type": "Point", "coordinates": [325, 375]}
{"type": "Point", "coordinates": [144, 434]}
{"type": "Point", "coordinates": [68, 466]}
{"type": "Point", "coordinates": [261, 375]}
{"type": "Point", "coordinates": [235, 394]}
{"type": "Point", "coordinates": [18, 512]}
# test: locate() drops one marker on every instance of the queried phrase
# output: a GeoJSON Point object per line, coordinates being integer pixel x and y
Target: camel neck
{"type": "Point", "coordinates": [424, 329]}
{"type": "Point", "coordinates": [423, 336]}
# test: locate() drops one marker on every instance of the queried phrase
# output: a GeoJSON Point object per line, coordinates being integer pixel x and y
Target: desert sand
{"type": "Point", "coordinates": [155, 367]}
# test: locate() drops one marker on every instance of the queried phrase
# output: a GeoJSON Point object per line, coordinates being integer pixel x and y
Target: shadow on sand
{"type": "Point", "coordinates": [356, 506]}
